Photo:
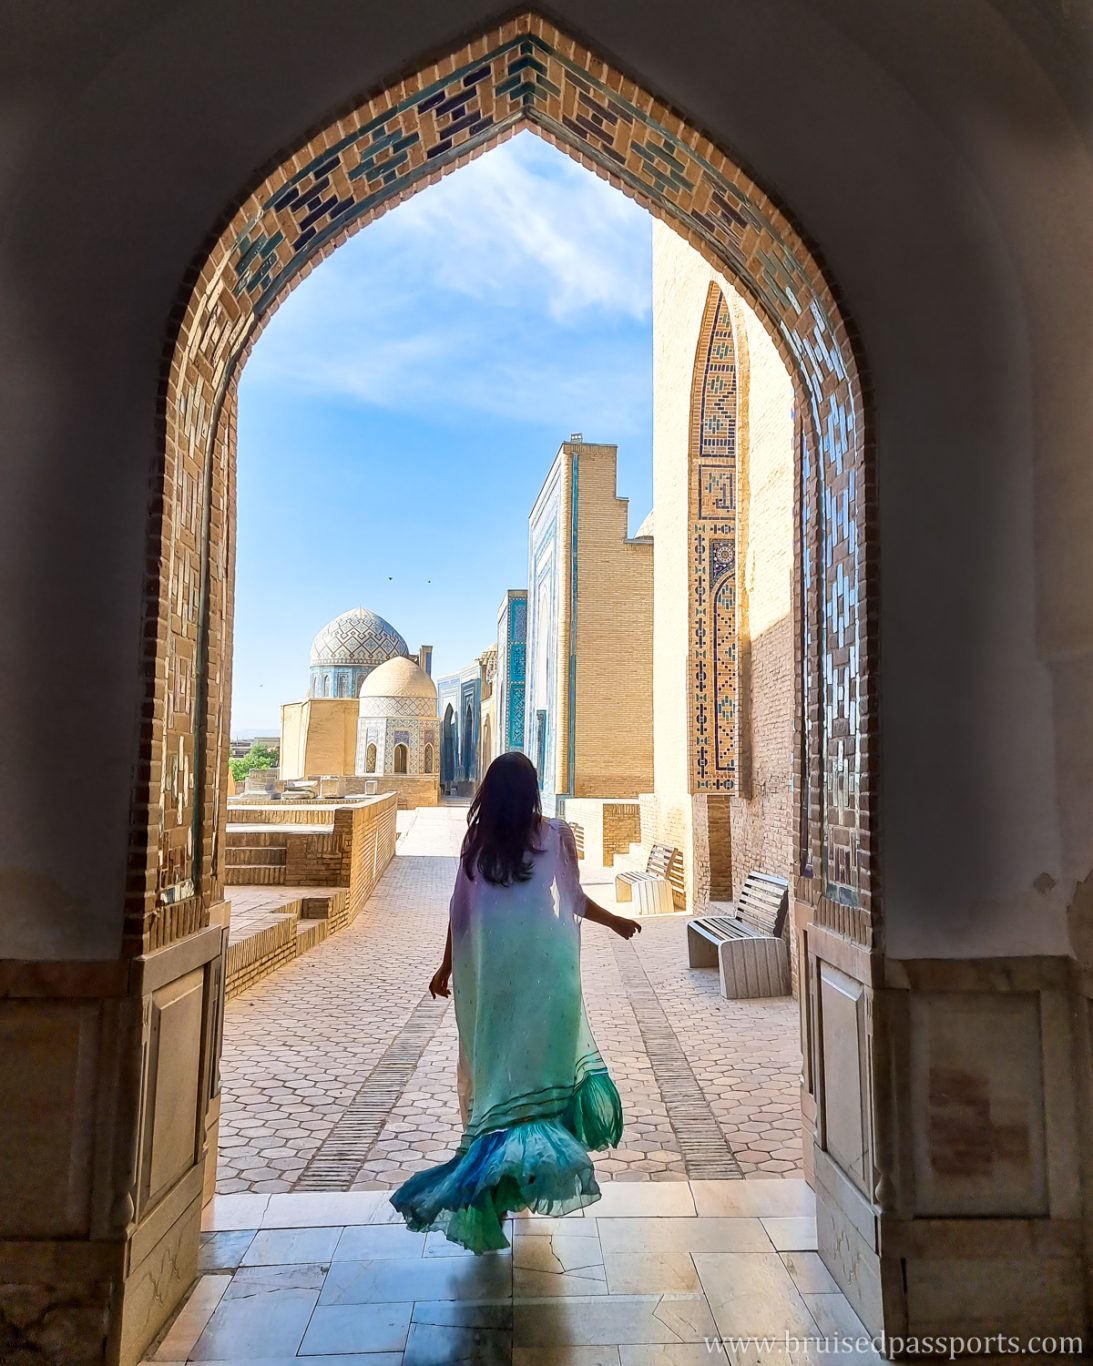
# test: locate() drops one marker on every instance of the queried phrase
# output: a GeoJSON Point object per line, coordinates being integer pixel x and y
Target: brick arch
{"type": "Point", "coordinates": [522, 74]}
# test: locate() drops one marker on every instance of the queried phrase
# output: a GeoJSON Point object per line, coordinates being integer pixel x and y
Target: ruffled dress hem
{"type": "Point", "coordinates": [539, 1164]}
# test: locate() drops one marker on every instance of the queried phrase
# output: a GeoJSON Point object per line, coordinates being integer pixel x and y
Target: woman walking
{"type": "Point", "coordinates": [534, 1093]}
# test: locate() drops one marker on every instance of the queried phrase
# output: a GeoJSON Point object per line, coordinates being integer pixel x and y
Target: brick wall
{"type": "Point", "coordinates": [621, 829]}
{"type": "Point", "coordinates": [355, 842]}
{"type": "Point", "coordinates": [373, 848]}
{"type": "Point", "coordinates": [614, 633]}
{"type": "Point", "coordinates": [258, 955]}
{"type": "Point", "coordinates": [722, 837]}
{"type": "Point", "coordinates": [762, 815]}
{"type": "Point", "coordinates": [609, 828]}
{"type": "Point", "coordinates": [282, 813]}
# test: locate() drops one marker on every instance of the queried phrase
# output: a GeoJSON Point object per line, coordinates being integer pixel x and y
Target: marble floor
{"type": "Point", "coordinates": [669, 1274]}
{"type": "Point", "coordinates": [302, 1047]}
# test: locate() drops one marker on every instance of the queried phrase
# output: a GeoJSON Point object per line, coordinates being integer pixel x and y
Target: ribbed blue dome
{"type": "Point", "coordinates": [358, 638]}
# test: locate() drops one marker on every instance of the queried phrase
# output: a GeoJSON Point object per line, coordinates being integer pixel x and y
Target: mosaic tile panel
{"type": "Point", "coordinates": [514, 665]}
{"type": "Point", "coordinates": [712, 570]}
{"type": "Point", "coordinates": [510, 670]}
{"type": "Point", "coordinates": [525, 73]}
{"type": "Point", "coordinates": [546, 696]}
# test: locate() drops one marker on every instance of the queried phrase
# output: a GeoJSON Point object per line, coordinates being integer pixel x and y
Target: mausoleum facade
{"type": "Point", "coordinates": [397, 732]}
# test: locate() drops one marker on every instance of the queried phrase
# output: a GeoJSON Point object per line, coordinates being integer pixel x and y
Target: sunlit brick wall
{"type": "Point", "coordinates": [761, 815]}
{"type": "Point", "coordinates": [614, 631]}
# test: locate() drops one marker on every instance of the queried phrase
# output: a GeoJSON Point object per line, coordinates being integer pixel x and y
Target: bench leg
{"type": "Point", "coordinates": [701, 952]}
{"type": "Point", "coordinates": [752, 968]}
{"type": "Point", "coordinates": [652, 896]}
{"type": "Point", "coordinates": [624, 891]}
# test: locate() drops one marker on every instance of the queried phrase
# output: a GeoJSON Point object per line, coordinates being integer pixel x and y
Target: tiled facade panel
{"type": "Point", "coordinates": [516, 672]}
{"type": "Point", "coordinates": [524, 73]}
{"type": "Point", "coordinates": [510, 683]}
{"type": "Point", "coordinates": [711, 474]}
{"type": "Point", "coordinates": [547, 684]}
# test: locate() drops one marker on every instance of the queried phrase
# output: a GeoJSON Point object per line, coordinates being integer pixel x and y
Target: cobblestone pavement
{"type": "Point", "coordinates": [299, 1046]}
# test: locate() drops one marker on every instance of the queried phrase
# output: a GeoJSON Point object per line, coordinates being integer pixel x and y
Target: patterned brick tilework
{"type": "Point", "coordinates": [712, 578]}
{"type": "Point", "coordinates": [524, 73]}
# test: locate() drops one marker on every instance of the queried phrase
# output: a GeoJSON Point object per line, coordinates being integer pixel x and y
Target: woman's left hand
{"type": "Point", "coordinates": [439, 985]}
{"type": "Point", "coordinates": [624, 927]}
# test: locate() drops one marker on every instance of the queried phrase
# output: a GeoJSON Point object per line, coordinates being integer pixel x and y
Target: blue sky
{"type": "Point", "coordinates": [398, 415]}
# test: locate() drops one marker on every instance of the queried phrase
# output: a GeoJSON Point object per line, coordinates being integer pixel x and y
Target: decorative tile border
{"type": "Point", "coordinates": [711, 587]}
{"type": "Point", "coordinates": [522, 74]}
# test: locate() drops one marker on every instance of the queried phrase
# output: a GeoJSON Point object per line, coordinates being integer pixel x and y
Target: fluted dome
{"type": "Point", "coordinates": [398, 678]}
{"type": "Point", "coordinates": [356, 639]}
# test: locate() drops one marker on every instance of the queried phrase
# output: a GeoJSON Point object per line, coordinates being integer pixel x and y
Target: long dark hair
{"type": "Point", "coordinates": [504, 822]}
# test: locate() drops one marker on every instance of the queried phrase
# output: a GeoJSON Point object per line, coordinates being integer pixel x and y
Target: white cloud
{"type": "Point", "coordinates": [476, 295]}
{"type": "Point", "coordinates": [525, 215]}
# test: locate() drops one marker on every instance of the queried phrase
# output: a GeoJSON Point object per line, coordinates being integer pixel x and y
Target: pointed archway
{"type": "Point", "coordinates": [522, 74]}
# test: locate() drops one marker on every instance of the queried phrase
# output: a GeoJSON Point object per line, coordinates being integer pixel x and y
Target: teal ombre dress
{"type": "Point", "coordinates": [535, 1092]}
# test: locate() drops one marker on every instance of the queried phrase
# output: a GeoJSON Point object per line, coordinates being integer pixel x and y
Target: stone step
{"type": "Point", "coordinates": [258, 875]}
{"type": "Point", "coordinates": [239, 856]}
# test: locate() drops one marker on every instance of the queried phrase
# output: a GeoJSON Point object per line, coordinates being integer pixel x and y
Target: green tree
{"type": "Point", "coordinates": [258, 756]}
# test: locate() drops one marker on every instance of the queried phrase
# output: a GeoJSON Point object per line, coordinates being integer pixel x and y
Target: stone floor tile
{"type": "Point", "coordinates": [313, 1209]}
{"type": "Point", "coordinates": [225, 1213]}
{"type": "Point", "coordinates": [649, 1273]}
{"type": "Point", "coordinates": [443, 1333]}
{"type": "Point", "coordinates": [834, 1316]}
{"type": "Point", "coordinates": [425, 1278]}
{"type": "Point", "coordinates": [544, 1284]}
{"type": "Point", "coordinates": [279, 1247]}
{"type": "Point", "coordinates": [267, 1280]}
{"type": "Point", "coordinates": [223, 1251]}
{"type": "Point", "coordinates": [621, 1201]}
{"type": "Point", "coordinates": [794, 1234]}
{"type": "Point", "coordinates": [339, 1359]}
{"type": "Point", "coordinates": [761, 1199]}
{"type": "Point", "coordinates": [261, 1325]}
{"type": "Point", "coordinates": [568, 1356]}
{"type": "Point", "coordinates": [612, 1319]}
{"type": "Point", "coordinates": [708, 1234]}
{"type": "Point", "coordinates": [810, 1276]}
{"type": "Point", "coordinates": [344, 1328]}
{"type": "Point", "coordinates": [190, 1322]}
{"type": "Point", "coordinates": [752, 1294]}
{"type": "Point", "coordinates": [575, 1225]}
{"type": "Point", "coordinates": [370, 1242]}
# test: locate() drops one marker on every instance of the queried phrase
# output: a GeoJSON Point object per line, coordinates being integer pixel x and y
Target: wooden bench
{"type": "Point", "coordinates": [578, 836]}
{"type": "Point", "coordinates": [653, 890]}
{"type": "Point", "coordinates": [744, 942]}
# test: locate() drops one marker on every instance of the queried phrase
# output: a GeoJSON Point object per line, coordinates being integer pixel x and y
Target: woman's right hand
{"type": "Point", "coordinates": [439, 984]}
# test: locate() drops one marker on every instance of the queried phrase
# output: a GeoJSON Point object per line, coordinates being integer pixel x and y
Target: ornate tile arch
{"type": "Point", "coordinates": [711, 586]}
{"type": "Point", "coordinates": [524, 73]}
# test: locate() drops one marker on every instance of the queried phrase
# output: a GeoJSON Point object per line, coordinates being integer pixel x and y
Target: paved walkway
{"type": "Point", "coordinates": [338, 1073]}
{"type": "Point", "coordinates": [670, 1275]}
